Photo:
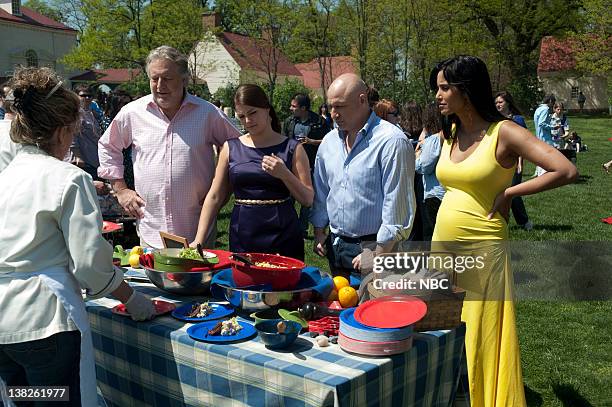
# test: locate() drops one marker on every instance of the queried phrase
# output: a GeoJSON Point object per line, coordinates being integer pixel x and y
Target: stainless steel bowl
{"type": "Point", "coordinates": [250, 301]}
{"type": "Point", "coordinates": [184, 283]}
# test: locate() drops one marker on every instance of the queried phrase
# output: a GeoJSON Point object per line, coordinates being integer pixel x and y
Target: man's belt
{"type": "Point", "coordinates": [359, 239]}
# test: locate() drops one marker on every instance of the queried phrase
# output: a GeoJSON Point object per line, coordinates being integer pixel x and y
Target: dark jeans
{"type": "Point", "coordinates": [53, 361]}
{"type": "Point", "coordinates": [518, 207]}
{"type": "Point", "coordinates": [416, 234]}
{"type": "Point", "coordinates": [341, 254]}
{"type": "Point", "coordinates": [429, 213]}
{"type": "Point", "coordinates": [303, 219]}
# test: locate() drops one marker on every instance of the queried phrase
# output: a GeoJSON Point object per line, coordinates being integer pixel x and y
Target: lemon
{"type": "Point", "coordinates": [340, 282]}
{"type": "Point", "coordinates": [137, 250]}
{"type": "Point", "coordinates": [134, 260]}
{"type": "Point", "coordinates": [333, 296]}
{"type": "Point", "coordinates": [348, 297]}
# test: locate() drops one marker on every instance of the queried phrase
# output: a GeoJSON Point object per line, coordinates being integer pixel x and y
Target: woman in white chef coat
{"type": "Point", "coordinates": [51, 247]}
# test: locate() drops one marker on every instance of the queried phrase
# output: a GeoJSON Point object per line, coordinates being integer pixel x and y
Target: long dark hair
{"type": "Point", "coordinates": [432, 118]}
{"type": "Point", "coordinates": [510, 102]}
{"type": "Point", "coordinates": [470, 75]}
{"type": "Point", "coordinates": [253, 95]}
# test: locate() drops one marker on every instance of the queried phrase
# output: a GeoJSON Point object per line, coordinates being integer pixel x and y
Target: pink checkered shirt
{"type": "Point", "coordinates": [173, 161]}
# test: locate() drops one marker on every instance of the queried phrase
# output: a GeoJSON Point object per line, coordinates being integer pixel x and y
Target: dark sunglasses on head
{"type": "Point", "coordinates": [83, 95]}
{"type": "Point", "coordinates": [396, 113]}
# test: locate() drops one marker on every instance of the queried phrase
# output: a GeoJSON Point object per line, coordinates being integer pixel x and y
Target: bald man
{"type": "Point", "coordinates": [363, 179]}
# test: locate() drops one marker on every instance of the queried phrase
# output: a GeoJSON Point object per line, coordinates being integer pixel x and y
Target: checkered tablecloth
{"type": "Point", "coordinates": [157, 364]}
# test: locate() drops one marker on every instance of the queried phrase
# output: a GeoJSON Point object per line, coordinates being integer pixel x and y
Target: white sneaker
{"type": "Point", "coordinates": [528, 226]}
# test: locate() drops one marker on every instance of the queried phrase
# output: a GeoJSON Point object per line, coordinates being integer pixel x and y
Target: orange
{"type": "Point", "coordinates": [333, 296]}
{"type": "Point", "coordinates": [340, 282]}
{"type": "Point", "coordinates": [348, 297]}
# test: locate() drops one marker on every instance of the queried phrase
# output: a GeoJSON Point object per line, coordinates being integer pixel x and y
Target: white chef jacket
{"type": "Point", "coordinates": [49, 218]}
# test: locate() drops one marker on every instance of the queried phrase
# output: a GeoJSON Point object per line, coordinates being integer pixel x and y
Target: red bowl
{"type": "Point", "coordinates": [281, 278]}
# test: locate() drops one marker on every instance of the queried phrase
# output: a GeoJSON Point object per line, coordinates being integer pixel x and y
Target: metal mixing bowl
{"type": "Point", "coordinates": [250, 301]}
{"type": "Point", "coordinates": [184, 283]}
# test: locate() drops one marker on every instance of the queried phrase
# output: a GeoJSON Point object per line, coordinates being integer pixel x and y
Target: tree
{"type": "Point", "coordinates": [226, 94]}
{"type": "Point", "coordinates": [45, 9]}
{"type": "Point", "coordinates": [270, 24]}
{"type": "Point", "coordinates": [593, 43]}
{"type": "Point", "coordinates": [315, 37]}
{"type": "Point", "coordinates": [120, 33]}
{"type": "Point", "coordinates": [516, 31]}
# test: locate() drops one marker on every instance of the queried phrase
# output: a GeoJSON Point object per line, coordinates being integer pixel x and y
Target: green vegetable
{"type": "Point", "coordinates": [189, 253]}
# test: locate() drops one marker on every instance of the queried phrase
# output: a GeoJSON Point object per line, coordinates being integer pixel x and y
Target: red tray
{"type": "Point", "coordinates": [326, 324]}
{"type": "Point", "coordinates": [392, 311]}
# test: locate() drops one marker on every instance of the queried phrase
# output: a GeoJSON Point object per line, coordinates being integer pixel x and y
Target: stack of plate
{"type": "Point", "coordinates": [380, 327]}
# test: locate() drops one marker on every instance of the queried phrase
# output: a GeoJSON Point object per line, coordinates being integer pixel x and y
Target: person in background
{"type": "Point", "coordinates": [171, 133]}
{"type": "Point", "coordinates": [476, 166]}
{"type": "Point", "coordinates": [51, 247]}
{"type": "Point", "coordinates": [506, 106]}
{"type": "Point", "coordinates": [308, 128]}
{"type": "Point", "coordinates": [427, 155]}
{"type": "Point", "coordinates": [388, 110]}
{"type": "Point", "coordinates": [574, 142]}
{"type": "Point", "coordinates": [411, 121]}
{"type": "Point", "coordinates": [265, 171]}
{"type": "Point", "coordinates": [559, 124]}
{"type": "Point", "coordinates": [373, 96]}
{"type": "Point", "coordinates": [363, 181]}
{"type": "Point", "coordinates": [324, 113]}
{"type": "Point", "coordinates": [581, 100]}
{"type": "Point", "coordinates": [84, 148]}
{"type": "Point", "coordinates": [542, 120]}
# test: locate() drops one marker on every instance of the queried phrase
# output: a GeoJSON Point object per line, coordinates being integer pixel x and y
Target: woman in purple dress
{"type": "Point", "coordinates": [266, 172]}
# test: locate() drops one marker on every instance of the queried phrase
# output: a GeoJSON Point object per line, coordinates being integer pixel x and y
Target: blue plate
{"type": "Point", "coordinates": [199, 332]}
{"type": "Point", "coordinates": [219, 311]}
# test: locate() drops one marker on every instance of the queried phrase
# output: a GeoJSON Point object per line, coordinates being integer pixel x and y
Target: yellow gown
{"type": "Point", "coordinates": [491, 343]}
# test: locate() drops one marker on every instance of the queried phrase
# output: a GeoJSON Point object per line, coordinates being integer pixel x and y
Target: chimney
{"type": "Point", "coordinates": [11, 7]}
{"type": "Point", "coordinates": [211, 20]}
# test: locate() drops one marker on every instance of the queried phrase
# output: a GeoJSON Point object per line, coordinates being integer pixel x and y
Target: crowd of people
{"type": "Point", "coordinates": [356, 169]}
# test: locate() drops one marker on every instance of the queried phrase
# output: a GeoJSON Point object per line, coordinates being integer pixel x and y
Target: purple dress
{"type": "Point", "coordinates": [262, 228]}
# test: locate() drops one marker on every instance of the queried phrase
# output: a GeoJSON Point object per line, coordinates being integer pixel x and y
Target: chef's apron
{"type": "Point", "coordinates": [65, 287]}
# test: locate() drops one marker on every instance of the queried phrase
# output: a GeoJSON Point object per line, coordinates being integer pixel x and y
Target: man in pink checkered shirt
{"type": "Point", "coordinates": [172, 134]}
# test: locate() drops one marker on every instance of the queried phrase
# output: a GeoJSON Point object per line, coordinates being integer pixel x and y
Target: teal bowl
{"type": "Point", "coordinates": [272, 339]}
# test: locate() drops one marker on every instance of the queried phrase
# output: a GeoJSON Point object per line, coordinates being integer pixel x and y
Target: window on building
{"type": "Point", "coordinates": [16, 7]}
{"type": "Point", "coordinates": [31, 58]}
{"type": "Point", "coordinates": [575, 91]}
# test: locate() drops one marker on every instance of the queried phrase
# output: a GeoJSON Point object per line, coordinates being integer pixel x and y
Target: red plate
{"type": "Point", "coordinates": [108, 227]}
{"type": "Point", "coordinates": [161, 308]}
{"type": "Point", "coordinates": [393, 311]}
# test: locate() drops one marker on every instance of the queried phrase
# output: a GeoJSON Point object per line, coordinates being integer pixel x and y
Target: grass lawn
{"type": "Point", "coordinates": [566, 347]}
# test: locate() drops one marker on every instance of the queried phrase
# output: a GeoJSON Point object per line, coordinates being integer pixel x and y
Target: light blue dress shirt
{"type": "Point", "coordinates": [542, 120]}
{"type": "Point", "coordinates": [369, 190]}
{"type": "Point", "coordinates": [426, 165]}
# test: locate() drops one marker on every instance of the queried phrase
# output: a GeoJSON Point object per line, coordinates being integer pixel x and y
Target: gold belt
{"type": "Point", "coordinates": [261, 201]}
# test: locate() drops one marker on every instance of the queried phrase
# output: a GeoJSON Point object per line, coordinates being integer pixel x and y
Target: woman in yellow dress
{"type": "Point", "coordinates": [476, 166]}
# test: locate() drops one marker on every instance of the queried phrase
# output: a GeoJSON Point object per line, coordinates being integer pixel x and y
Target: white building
{"type": "Point", "coordinates": [224, 58]}
{"type": "Point", "coordinates": [558, 74]}
{"type": "Point", "coordinates": [31, 39]}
